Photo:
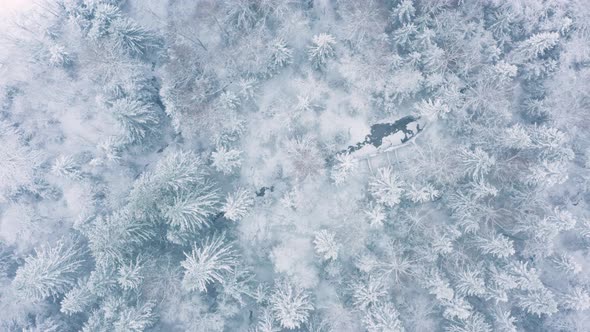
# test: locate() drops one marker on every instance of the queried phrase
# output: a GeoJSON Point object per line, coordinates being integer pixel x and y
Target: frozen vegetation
{"type": "Point", "coordinates": [295, 165]}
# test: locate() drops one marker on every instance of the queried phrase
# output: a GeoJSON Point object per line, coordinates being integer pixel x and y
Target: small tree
{"type": "Point", "coordinates": [132, 38]}
{"type": "Point", "coordinates": [138, 120]}
{"type": "Point", "coordinates": [476, 163]}
{"type": "Point", "coordinates": [344, 167]}
{"type": "Point", "coordinates": [280, 55]}
{"type": "Point", "coordinates": [66, 166]}
{"type": "Point", "coordinates": [325, 245]}
{"type": "Point", "coordinates": [207, 263]}
{"type": "Point", "coordinates": [136, 318]}
{"type": "Point", "coordinates": [238, 204]}
{"type": "Point", "coordinates": [290, 305]}
{"type": "Point", "coordinates": [321, 49]}
{"type": "Point", "coordinates": [576, 299]}
{"type": "Point", "coordinates": [226, 160]}
{"type": "Point", "coordinates": [386, 187]}
{"type": "Point", "coordinates": [497, 245]}
{"type": "Point", "coordinates": [383, 318]}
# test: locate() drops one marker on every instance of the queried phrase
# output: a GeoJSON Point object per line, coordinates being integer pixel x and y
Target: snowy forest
{"type": "Point", "coordinates": [295, 165]}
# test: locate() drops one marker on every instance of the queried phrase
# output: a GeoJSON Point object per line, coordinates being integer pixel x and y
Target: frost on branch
{"type": "Point", "coordinates": [190, 212]}
{"type": "Point", "coordinates": [50, 272]}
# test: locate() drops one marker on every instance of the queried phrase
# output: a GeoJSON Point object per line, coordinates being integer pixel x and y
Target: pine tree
{"type": "Point", "coordinates": [537, 44]}
{"type": "Point", "coordinates": [131, 274]}
{"type": "Point", "coordinates": [138, 120]}
{"type": "Point", "coordinates": [375, 215]}
{"type": "Point", "coordinates": [503, 320]}
{"type": "Point", "coordinates": [422, 194]}
{"type": "Point", "coordinates": [50, 272]}
{"type": "Point", "coordinates": [470, 283]}
{"type": "Point", "coordinates": [368, 293]}
{"type": "Point", "coordinates": [567, 264]}
{"type": "Point", "coordinates": [538, 302]}
{"type": "Point", "coordinates": [516, 137]}
{"type": "Point", "coordinates": [325, 245]}
{"type": "Point", "coordinates": [525, 277]}
{"type": "Point", "coordinates": [280, 54]}
{"type": "Point", "coordinates": [135, 318]}
{"type": "Point", "coordinates": [457, 308]}
{"type": "Point", "coordinates": [497, 245]}
{"type": "Point", "coordinates": [386, 187]}
{"type": "Point", "coordinates": [132, 38]}
{"type": "Point", "coordinates": [476, 163]}
{"type": "Point", "coordinates": [383, 318]}
{"type": "Point", "coordinates": [226, 160]}
{"type": "Point", "coordinates": [78, 299]}
{"type": "Point", "coordinates": [17, 161]}
{"type": "Point", "coordinates": [207, 263]}
{"type": "Point", "coordinates": [576, 299]}
{"type": "Point", "coordinates": [290, 305]}
{"type": "Point", "coordinates": [344, 167]}
{"type": "Point", "coordinates": [404, 12]}
{"type": "Point", "coordinates": [112, 238]}
{"type": "Point", "coordinates": [67, 166]}
{"type": "Point", "coordinates": [190, 212]}
{"type": "Point", "coordinates": [475, 323]}
{"type": "Point", "coordinates": [238, 204]}
{"type": "Point", "coordinates": [321, 49]}
{"type": "Point", "coordinates": [179, 171]}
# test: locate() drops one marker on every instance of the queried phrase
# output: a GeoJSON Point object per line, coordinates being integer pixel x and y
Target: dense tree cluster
{"type": "Point", "coordinates": [178, 166]}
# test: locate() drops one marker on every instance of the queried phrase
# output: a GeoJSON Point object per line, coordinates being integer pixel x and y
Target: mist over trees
{"type": "Point", "coordinates": [179, 165]}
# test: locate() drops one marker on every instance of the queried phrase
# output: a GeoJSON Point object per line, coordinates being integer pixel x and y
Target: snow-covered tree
{"type": "Point", "coordinates": [226, 160]}
{"type": "Point", "coordinates": [17, 161]}
{"type": "Point", "coordinates": [280, 54]}
{"type": "Point", "coordinates": [497, 245]}
{"type": "Point", "coordinates": [192, 212]}
{"type": "Point", "coordinates": [290, 304]}
{"type": "Point", "coordinates": [321, 49]}
{"type": "Point", "coordinates": [538, 302]}
{"type": "Point", "coordinates": [138, 120]}
{"type": "Point", "coordinates": [383, 318]}
{"type": "Point", "coordinates": [537, 44]}
{"type": "Point", "coordinates": [477, 162]}
{"type": "Point", "coordinates": [326, 245]}
{"type": "Point", "coordinates": [386, 187]}
{"type": "Point", "coordinates": [50, 272]}
{"type": "Point", "coordinates": [131, 37]}
{"type": "Point", "coordinates": [78, 299]}
{"type": "Point", "coordinates": [344, 167]}
{"type": "Point", "coordinates": [66, 166]}
{"type": "Point", "coordinates": [207, 263]}
{"type": "Point", "coordinates": [576, 299]}
{"type": "Point", "coordinates": [238, 204]}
